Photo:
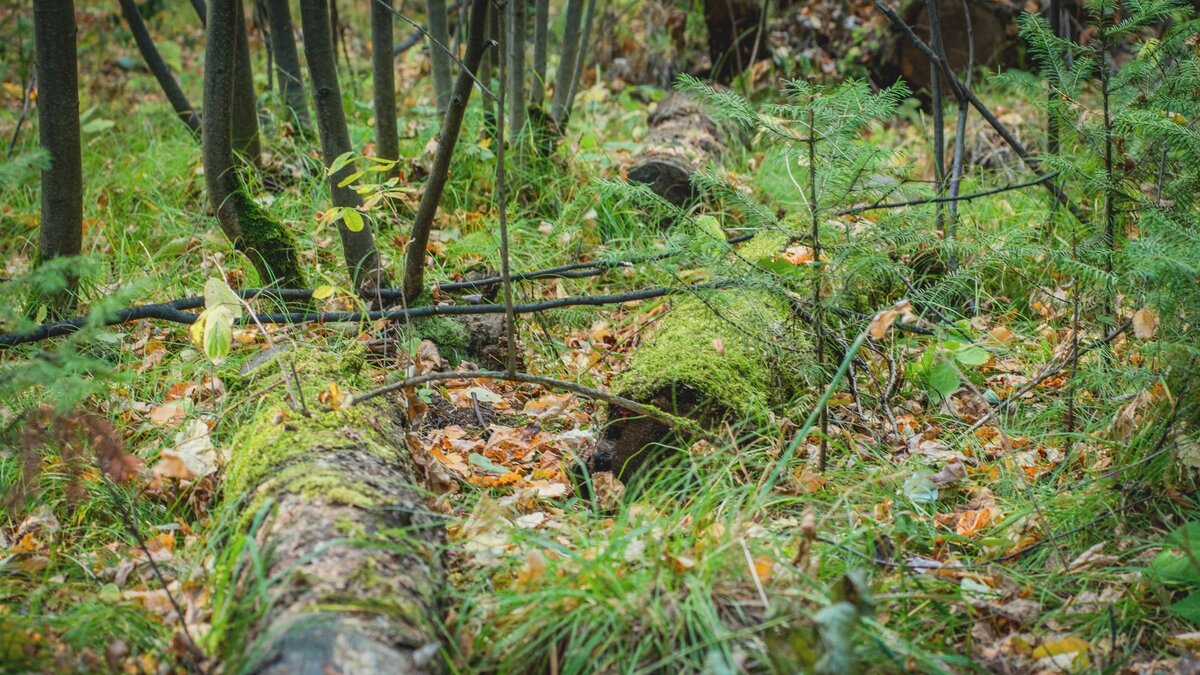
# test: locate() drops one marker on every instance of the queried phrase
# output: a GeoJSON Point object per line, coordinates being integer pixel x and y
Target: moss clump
{"type": "Point", "coordinates": [270, 247]}
{"type": "Point", "coordinates": [742, 356]}
{"type": "Point", "coordinates": [449, 335]}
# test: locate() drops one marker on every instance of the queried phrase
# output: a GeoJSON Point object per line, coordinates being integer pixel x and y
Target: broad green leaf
{"type": "Point", "coordinates": [1188, 608]}
{"type": "Point", "coordinates": [353, 220]}
{"type": "Point", "coordinates": [97, 125]}
{"type": "Point", "coordinates": [943, 378]}
{"type": "Point", "coordinates": [340, 163]}
{"type": "Point", "coordinates": [972, 356]}
{"type": "Point", "coordinates": [920, 489]}
{"type": "Point", "coordinates": [322, 292]}
{"type": "Point", "coordinates": [217, 293]}
{"type": "Point", "coordinates": [218, 334]}
{"type": "Point", "coordinates": [1177, 567]}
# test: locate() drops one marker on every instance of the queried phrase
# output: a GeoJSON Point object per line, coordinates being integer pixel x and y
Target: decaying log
{"type": "Point", "coordinates": [681, 138]}
{"type": "Point", "coordinates": [725, 357]}
{"type": "Point", "coordinates": [350, 548]}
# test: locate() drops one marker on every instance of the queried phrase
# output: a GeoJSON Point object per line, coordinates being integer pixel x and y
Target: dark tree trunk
{"type": "Point", "coordinates": [681, 139]}
{"type": "Point", "coordinates": [732, 25]}
{"type": "Point", "coordinates": [287, 61]}
{"type": "Point", "coordinates": [58, 131]}
{"type": "Point", "coordinates": [265, 242]}
{"type": "Point", "coordinates": [383, 67]}
{"type": "Point", "coordinates": [990, 23]}
{"type": "Point", "coordinates": [414, 259]}
{"type": "Point", "coordinates": [439, 60]}
{"type": "Point", "coordinates": [514, 43]}
{"type": "Point", "coordinates": [541, 38]}
{"type": "Point", "coordinates": [362, 259]}
{"type": "Point", "coordinates": [566, 65]}
{"type": "Point", "coordinates": [353, 546]}
{"type": "Point", "coordinates": [245, 102]}
{"type": "Point", "coordinates": [179, 101]}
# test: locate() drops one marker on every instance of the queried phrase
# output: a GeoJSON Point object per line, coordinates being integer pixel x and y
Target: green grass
{"type": "Point", "coordinates": [668, 579]}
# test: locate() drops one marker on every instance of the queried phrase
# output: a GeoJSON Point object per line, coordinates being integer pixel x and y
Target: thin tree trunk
{"type": "Point", "coordinates": [201, 11]}
{"type": "Point", "coordinates": [245, 103]}
{"type": "Point", "coordinates": [566, 64]}
{"type": "Point", "coordinates": [362, 259]}
{"type": "Point", "coordinates": [179, 101]}
{"type": "Point", "coordinates": [439, 59]}
{"type": "Point", "coordinates": [61, 231]}
{"type": "Point", "coordinates": [414, 260]}
{"type": "Point", "coordinates": [387, 145]}
{"type": "Point", "coordinates": [582, 57]}
{"type": "Point", "coordinates": [270, 247]}
{"type": "Point", "coordinates": [287, 61]}
{"type": "Point", "coordinates": [541, 36]}
{"type": "Point", "coordinates": [514, 40]}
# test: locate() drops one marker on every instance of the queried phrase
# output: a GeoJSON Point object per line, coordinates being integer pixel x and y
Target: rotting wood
{"type": "Point", "coordinates": [352, 551]}
{"type": "Point", "coordinates": [680, 140]}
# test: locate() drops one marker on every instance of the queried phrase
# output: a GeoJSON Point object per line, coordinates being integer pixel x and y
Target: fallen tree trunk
{"type": "Point", "coordinates": [728, 356]}
{"type": "Point", "coordinates": [350, 552]}
{"type": "Point", "coordinates": [680, 140]}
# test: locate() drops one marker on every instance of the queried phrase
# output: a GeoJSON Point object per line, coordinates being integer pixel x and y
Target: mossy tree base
{"type": "Point", "coordinates": [268, 245]}
{"type": "Point", "coordinates": [352, 551]}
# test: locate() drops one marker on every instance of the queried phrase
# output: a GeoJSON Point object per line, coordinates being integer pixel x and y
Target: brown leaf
{"type": "Point", "coordinates": [883, 321]}
{"type": "Point", "coordinates": [1145, 323]}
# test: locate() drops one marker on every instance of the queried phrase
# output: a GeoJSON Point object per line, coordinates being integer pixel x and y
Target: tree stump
{"type": "Point", "coordinates": [993, 25]}
{"type": "Point", "coordinates": [681, 138]}
{"type": "Point", "coordinates": [349, 548]}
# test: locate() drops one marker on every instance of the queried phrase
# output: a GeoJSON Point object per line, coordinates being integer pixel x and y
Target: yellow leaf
{"type": "Point", "coordinates": [322, 292]}
{"type": "Point", "coordinates": [1064, 648]}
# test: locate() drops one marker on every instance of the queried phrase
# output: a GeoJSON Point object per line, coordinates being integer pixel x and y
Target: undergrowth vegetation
{"type": "Point", "coordinates": [999, 479]}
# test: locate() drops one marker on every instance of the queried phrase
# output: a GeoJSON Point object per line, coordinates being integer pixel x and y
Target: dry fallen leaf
{"type": "Point", "coordinates": [193, 455]}
{"type": "Point", "coordinates": [1145, 323]}
{"type": "Point", "coordinates": [883, 321]}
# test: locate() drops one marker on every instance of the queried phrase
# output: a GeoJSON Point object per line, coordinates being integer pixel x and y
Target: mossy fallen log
{"type": "Point", "coordinates": [350, 552]}
{"type": "Point", "coordinates": [680, 140]}
{"type": "Point", "coordinates": [730, 356]}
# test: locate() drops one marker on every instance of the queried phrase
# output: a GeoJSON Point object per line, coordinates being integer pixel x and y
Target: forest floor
{"type": "Point", "coordinates": [1008, 545]}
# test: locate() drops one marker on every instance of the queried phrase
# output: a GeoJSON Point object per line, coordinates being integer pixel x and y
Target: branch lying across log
{"type": "Point", "coordinates": [681, 139]}
{"type": "Point", "coordinates": [349, 549]}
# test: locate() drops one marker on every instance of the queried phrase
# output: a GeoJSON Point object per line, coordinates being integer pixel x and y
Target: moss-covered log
{"type": "Point", "coordinates": [725, 357]}
{"type": "Point", "coordinates": [350, 549]}
{"type": "Point", "coordinates": [681, 138]}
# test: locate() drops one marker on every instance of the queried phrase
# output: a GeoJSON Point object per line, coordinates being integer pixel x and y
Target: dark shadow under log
{"type": "Point", "coordinates": [680, 140]}
{"type": "Point", "coordinates": [349, 544]}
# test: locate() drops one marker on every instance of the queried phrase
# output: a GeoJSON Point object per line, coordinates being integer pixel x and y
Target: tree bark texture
{"type": "Point", "coordinates": [680, 140]}
{"type": "Point", "coordinates": [287, 61]}
{"type": "Point", "coordinates": [245, 103]}
{"type": "Point", "coordinates": [270, 247]}
{"type": "Point", "coordinates": [159, 68]}
{"type": "Point", "coordinates": [439, 60]}
{"type": "Point", "coordinates": [61, 231]}
{"type": "Point", "coordinates": [414, 259]}
{"type": "Point", "coordinates": [354, 552]}
{"type": "Point", "coordinates": [383, 69]}
{"type": "Point", "coordinates": [541, 38]}
{"type": "Point", "coordinates": [362, 259]}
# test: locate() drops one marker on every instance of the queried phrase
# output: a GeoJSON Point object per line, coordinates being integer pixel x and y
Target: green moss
{"type": "Point", "coordinates": [742, 359]}
{"type": "Point", "coordinates": [449, 335]}
{"type": "Point", "coordinates": [270, 247]}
